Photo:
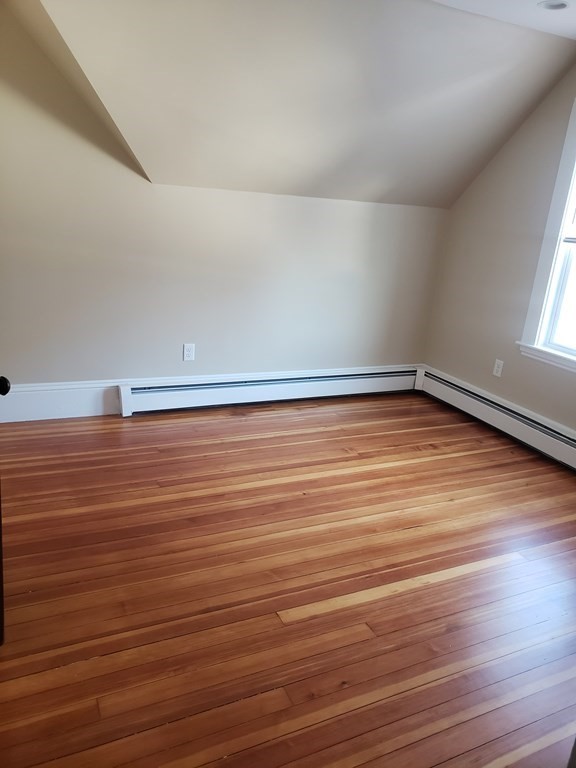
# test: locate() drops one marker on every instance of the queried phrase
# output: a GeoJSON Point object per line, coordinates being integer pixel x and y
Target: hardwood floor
{"type": "Point", "coordinates": [370, 581]}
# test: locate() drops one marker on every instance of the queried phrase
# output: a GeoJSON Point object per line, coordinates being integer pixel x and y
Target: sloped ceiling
{"type": "Point", "coordinates": [396, 101]}
{"type": "Point", "coordinates": [553, 16]}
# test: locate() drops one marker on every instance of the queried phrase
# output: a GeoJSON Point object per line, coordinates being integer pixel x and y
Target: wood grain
{"type": "Point", "coordinates": [364, 581]}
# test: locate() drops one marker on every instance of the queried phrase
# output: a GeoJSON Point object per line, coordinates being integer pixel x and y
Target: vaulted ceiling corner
{"type": "Point", "coordinates": [395, 101]}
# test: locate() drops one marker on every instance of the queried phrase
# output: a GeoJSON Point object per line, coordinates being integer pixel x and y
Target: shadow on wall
{"type": "Point", "coordinates": [50, 92]}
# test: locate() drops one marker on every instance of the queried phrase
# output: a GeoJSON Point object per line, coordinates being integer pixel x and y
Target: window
{"type": "Point", "coordinates": [558, 325]}
{"type": "Point", "coordinates": [550, 331]}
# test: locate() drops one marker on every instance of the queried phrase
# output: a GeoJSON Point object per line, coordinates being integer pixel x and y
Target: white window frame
{"type": "Point", "coordinates": [534, 342]}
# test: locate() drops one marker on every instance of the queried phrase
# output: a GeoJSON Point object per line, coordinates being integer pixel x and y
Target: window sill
{"type": "Point", "coordinates": [547, 356]}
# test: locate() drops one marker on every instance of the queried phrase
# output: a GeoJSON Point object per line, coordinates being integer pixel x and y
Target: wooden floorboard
{"type": "Point", "coordinates": [365, 581]}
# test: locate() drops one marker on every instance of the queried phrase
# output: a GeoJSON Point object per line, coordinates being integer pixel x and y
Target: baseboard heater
{"type": "Point", "coordinates": [525, 427]}
{"type": "Point", "coordinates": [136, 399]}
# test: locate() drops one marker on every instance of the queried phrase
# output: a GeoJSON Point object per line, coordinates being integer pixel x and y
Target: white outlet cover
{"type": "Point", "coordinates": [498, 366]}
{"type": "Point", "coordinates": [188, 352]}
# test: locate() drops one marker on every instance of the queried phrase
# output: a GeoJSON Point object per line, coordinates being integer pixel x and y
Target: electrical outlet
{"type": "Point", "coordinates": [188, 352]}
{"type": "Point", "coordinates": [498, 365]}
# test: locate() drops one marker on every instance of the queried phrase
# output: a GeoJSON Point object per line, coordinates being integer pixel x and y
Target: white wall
{"type": "Point", "coordinates": [104, 275]}
{"type": "Point", "coordinates": [488, 265]}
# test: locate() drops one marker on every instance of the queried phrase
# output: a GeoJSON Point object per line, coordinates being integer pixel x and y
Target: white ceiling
{"type": "Point", "coordinates": [525, 13]}
{"type": "Point", "coordinates": [397, 101]}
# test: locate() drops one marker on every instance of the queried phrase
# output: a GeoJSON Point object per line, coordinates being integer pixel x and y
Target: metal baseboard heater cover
{"type": "Point", "coordinates": [136, 399]}
{"type": "Point", "coordinates": [526, 427]}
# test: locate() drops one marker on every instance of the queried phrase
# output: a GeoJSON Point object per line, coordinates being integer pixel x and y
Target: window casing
{"type": "Point", "coordinates": [558, 325]}
{"type": "Point", "coordinates": [550, 330]}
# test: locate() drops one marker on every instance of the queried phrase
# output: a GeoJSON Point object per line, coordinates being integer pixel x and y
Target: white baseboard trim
{"type": "Point", "coordinates": [59, 400]}
{"type": "Point", "coordinates": [63, 400]}
{"type": "Point", "coordinates": [546, 436]}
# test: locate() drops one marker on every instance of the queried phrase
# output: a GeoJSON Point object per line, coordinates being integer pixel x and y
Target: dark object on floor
{"type": "Point", "coordinates": [572, 760]}
{"type": "Point", "coordinates": [1, 578]}
{"type": "Point", "coordinates": [4, 389]}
